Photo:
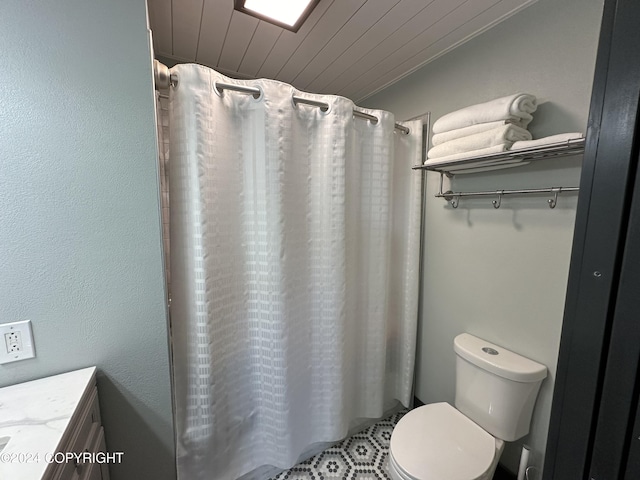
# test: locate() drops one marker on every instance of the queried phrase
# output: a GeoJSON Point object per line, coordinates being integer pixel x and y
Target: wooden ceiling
{"type": "Point", "coordinates": [353, 48]}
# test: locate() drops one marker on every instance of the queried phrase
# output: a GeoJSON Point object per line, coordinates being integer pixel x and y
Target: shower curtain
{"type": "Point", "coordinates": [294, 271]}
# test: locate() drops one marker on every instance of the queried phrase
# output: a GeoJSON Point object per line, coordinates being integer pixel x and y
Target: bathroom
{"type": "Point", "coordinates": [82, 242]}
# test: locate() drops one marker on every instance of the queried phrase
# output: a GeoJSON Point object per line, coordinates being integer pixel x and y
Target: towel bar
{"type": "Point", "coordinates": [454, 197]}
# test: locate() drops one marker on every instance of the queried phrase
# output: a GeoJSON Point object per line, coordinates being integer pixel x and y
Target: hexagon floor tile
{"type": "Point", "coordinates": [362, 456]}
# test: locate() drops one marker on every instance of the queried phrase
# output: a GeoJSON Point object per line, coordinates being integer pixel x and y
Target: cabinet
{"type": "Point", "coordinates": [50, 429]}
{"type": "Point", "coordinates": [85, 438]}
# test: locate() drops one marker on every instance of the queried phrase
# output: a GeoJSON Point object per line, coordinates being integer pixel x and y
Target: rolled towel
{"type": "Point", "coordinates": [517, 107]}
{"type": "Point", "coordinates": [465, 155]}
{"type": "Point", "coordinates": [441, 138]}
{"type": "Point", "coordinates": [504, 135]}
{"type": "Point", "coordinates": [559, 138]}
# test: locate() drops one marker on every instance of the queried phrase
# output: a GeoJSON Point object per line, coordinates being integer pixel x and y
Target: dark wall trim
{"type": "Point", "coordinates": [614, 436]}
{"type": "Point", "coordinates": [602, 220]}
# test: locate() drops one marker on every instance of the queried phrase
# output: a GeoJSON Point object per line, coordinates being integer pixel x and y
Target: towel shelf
{"type": "Point", "coordinates": [510, 158]}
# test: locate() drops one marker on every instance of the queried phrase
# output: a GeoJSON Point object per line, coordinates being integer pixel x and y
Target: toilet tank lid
{"type": "Point", "coordinates": [498, 360]}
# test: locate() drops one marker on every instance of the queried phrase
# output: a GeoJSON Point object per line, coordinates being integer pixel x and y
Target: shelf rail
{"type": "Point", "coordinates": [509, 158]}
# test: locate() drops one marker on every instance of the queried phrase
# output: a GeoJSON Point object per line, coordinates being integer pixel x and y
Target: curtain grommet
{"type": "Point", "coordinates": [255, 96]}
{"type": "Point", "coordinates": [323, 107]}
{"type": "Point", "coordinates": [216, 90]}
{"type": "Point", "coordinates": [260, 96]}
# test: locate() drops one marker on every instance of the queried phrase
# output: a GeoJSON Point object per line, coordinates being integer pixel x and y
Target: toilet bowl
{"type": "Point", "coordinates": [495, 394]}
{"type": "Point", "coordinates": [437, 442]}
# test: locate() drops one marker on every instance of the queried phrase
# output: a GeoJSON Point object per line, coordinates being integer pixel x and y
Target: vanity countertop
{"type": "Point", "coordinates": [34, 417]}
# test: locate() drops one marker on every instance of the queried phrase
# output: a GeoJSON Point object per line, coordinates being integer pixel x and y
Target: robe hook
{"type": "Point", "coordinates": [554, 201]}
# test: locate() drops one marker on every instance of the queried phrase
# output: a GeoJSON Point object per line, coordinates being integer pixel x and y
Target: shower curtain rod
{"type": "Point", "coordinates": [164, 79]}
{"type": "Point", "coordinates": [256, 92]}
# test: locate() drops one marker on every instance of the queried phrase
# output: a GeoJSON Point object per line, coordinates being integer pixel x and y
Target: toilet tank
{"type": "Point", "coordinates": [495, 387]}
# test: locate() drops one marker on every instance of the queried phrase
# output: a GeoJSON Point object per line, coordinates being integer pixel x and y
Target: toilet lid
{"type": "Point", "coordinates": [436, 442]}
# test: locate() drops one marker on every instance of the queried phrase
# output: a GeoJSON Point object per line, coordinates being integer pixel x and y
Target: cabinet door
{"type": "Point", "coordinates": [95, 473]}
{"type": "Point", "coordinates": [67, 471]}
{"type": "Point", "coordinates": [102, 447]}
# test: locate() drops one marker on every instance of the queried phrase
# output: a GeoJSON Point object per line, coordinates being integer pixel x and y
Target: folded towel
{"type": "Point", "coordinates": [517, 107]}
{"type": "Point", "coordinates": [504, 135]}
{"type": "Point", "coordinates": [465, 155]}
{"type": "Point", "coordinates": [440, 138]}
{"type": "Point", "coordinates": [559, 138]}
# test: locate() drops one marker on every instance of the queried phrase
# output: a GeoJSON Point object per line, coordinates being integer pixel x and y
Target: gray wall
{"type": "Point", "coordinates": [501, 274]}
{"type": "Point", "coordinates": [80, 232]}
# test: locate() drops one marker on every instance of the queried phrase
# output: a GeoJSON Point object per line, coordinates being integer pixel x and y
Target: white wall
{"type": "Point", "coordinates": [501, 274]}
{"type": "Point", "coordinates": [80, 240]}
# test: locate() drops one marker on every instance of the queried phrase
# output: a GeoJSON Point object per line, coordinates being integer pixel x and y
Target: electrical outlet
{"type": "Point", "coordinates": [18, 341]}
{"type": "Point", "coordinates": [13, 340]}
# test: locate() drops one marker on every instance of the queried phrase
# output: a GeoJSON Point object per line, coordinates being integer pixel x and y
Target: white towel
{"type": "Point", "coordinates": [559, 138]}
{"type": "Point", "coordinates": [503, 135]}
{"type": "Point", "coordinates": [440, 138]}
{"type": "Point", "coordinates": [465, 155]}
{"type": "Point", "coordinates": [517, 107]}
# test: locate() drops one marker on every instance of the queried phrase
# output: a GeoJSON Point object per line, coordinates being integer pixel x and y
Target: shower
{"type": "Point", "coordinates": [294, 260]}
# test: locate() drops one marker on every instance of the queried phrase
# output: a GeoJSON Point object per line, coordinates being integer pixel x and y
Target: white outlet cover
{"type": "Point", "coordinates": [25, 348]}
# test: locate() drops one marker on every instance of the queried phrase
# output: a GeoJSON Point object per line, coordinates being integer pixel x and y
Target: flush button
{"type": "Point", "coordinates": [490, 351]}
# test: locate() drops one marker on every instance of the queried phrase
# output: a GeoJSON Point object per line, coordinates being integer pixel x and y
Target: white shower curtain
{"type": "Point", "coordinates": [294, 271]}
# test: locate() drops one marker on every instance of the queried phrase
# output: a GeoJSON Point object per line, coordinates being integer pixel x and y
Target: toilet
{"type": "Point", "coordinates": [496, 390]}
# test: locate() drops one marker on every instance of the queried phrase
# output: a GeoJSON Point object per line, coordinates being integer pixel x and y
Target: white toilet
{"type": "Point", "coordinates": [495, 393]}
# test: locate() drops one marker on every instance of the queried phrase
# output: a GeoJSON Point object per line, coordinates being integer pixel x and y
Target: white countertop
{"type": "Point", "coordinates": [34, 415]}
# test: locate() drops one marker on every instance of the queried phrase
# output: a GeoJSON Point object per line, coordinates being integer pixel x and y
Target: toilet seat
{"type": "Point", "coordinates": [437, 442]}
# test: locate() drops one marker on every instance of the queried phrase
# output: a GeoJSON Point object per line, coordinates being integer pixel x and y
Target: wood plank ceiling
{"type": "Point", "coordinates": [353, 48]}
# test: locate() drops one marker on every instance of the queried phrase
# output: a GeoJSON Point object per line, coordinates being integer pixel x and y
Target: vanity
{"type": "Point", "coordinates": [50, 429]}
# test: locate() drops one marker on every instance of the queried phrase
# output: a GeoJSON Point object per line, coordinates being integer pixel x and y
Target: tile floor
{"type": "Point", "coordinates": [362, 456]}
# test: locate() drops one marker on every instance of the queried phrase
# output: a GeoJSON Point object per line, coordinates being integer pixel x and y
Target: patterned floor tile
{"type": "Point", "coordinates": [360, 457]}
{"type": "Point", "coordinates": [362, 450]}
{"type": "Point", "coordinates": [332, 465]}
{"type": "Point", "coordinates": [381, 433]}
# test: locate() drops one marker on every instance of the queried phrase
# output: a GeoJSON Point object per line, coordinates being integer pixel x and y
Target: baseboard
{"type": "Point", "coordinates": [503, 474]}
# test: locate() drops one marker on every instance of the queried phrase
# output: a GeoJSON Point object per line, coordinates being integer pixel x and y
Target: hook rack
{"type": "Point", "coordinates": [454, 197]}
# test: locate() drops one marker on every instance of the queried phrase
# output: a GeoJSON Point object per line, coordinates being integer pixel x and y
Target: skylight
{"type": "Point", "coordinates": [289, 14]}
